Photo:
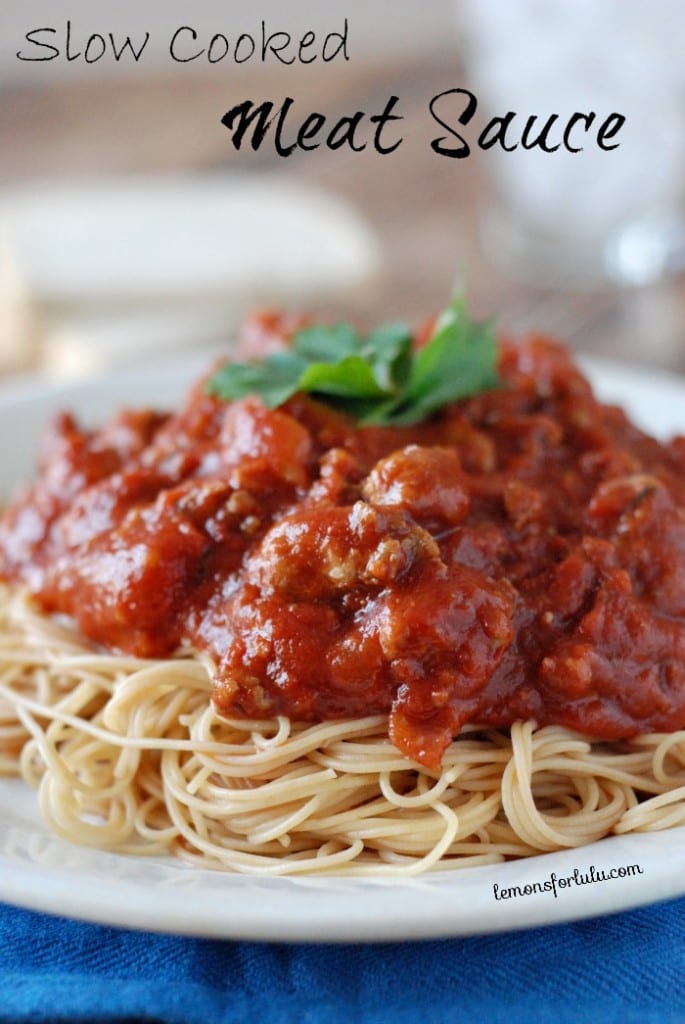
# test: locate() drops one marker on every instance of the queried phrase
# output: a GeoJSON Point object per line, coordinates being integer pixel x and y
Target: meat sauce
{"type": "Point", "coordinates": [519, 556]}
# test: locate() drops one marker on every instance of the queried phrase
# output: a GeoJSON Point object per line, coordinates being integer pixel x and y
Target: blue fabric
{"type": "Point", "coordinates": [628, 968]}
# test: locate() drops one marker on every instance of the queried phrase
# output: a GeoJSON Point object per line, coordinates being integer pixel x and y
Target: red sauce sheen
{"type": "Point", "coordinates": [519, 556]}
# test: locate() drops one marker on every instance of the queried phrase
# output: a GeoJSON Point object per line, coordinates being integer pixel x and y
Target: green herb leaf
{"type": "Point", "coordinates": [388, 349]}
{"type": "Point", "coordinates": [274, 379]}
{"type": "Point", "coordinates": [459, 360]}
{"type": "Point", "coordinates": [376, 378]}
{"type": "Point", "coordinates": [326, 344]}
{"type": "Point", "coordinates": [352, 377]}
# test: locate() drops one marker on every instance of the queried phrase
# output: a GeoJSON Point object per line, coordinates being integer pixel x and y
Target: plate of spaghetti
{"type": "Point", "coordinates": [375, 636]}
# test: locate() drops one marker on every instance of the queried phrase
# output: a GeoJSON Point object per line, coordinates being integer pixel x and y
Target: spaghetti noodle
{"type": "Point", "coordinates": [129, 755]}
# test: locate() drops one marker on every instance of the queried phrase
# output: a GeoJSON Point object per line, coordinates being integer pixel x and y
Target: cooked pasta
{"type": "Point", "coordinates": [129, 755]}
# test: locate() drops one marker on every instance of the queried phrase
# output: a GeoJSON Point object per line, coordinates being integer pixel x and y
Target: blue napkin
{"type": "Point", "coordinates": [628, 968]}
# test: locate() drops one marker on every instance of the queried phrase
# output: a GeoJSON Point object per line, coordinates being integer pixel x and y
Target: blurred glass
{"type": "Point", "coordinates": [582, 219]}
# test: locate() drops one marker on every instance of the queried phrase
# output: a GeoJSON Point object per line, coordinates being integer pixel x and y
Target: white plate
{"type": "Point", "coordinates": [40, 871]}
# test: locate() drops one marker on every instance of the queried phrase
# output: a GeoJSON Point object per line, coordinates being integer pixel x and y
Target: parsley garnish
{"type": "Point", "coordinates": [377, 377]}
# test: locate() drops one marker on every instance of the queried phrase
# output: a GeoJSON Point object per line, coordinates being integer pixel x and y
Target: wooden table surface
{"type": "Point", "coordinates": [423, 207]}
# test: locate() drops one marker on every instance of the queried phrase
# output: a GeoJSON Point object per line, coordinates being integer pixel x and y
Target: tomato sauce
{"type": "Point", "coordinates": [519, 556]}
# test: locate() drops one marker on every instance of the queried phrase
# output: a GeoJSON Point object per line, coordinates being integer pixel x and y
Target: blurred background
{"type": "Point", "coordinates": [131, 229]}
